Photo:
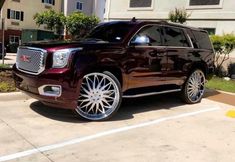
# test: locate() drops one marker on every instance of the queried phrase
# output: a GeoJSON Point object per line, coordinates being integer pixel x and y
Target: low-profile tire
{"type": "Point", "coordinates": [194, 87]}
{"type": "Point", "coordinates": [100, 96]}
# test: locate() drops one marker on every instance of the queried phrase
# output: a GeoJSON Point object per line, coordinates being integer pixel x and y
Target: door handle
{"type": "Point", "coordinates": [161, 54]}
{"type": "Point", "coordinates": [157, 54]}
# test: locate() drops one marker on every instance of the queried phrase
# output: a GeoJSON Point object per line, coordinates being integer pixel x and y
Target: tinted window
{"type": "Point", "coordinates": [153, 33]}
{"type": "Point", "coordinates": [140, 3]}
{"type": "Point", "coordinates": [175, 37]}
{"type": "Point", "coordinates": [111, 32]}
{"type": "Point", "coordinates": [204, 2]}
{"type": "Point", "coordinates": [194, 42]}
{"type": "Point", "coordinates": [202, 39]}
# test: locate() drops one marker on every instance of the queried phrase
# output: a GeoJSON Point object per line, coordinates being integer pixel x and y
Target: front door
{"type": "Point", "coordinates": [147, 58]}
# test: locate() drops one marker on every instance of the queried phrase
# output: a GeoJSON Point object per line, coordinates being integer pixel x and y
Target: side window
{"type": "Point", "coordinates": [175, 37]}
{"type": "Point", "coordinates": [150, 35]}
{"type": "Point", "coordinates": [202, 39]}
{"type": "Point", "coordinates": [194, 42]}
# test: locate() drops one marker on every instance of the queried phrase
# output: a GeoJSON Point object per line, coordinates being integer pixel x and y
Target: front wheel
{"type": "Point", "coordinates": [100, 96]}
{"type": "Point", "coordinates": [194, 87]}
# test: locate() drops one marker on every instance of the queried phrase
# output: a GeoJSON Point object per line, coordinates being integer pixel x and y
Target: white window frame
{"type": "Point", "coordinates": [219, 6]}
{"type": "Point", "coordinates": [14, 37]}
{"type": "Point", "coordinates": [141, 8]}
{"type": "Point", "coordinates": [13, 15]}
{"type": "Point", "coordinates": [81, 3]}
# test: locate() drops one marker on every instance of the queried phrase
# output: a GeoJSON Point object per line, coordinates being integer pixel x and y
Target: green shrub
{"type": "Point", "coordinates": [178, 15]}
{"type": "Point", "coordinates": [223, 46]}
{"type": "Point", "coordinates": [78, 24]}
{"type": "Point", "coordinates": [53, 20]}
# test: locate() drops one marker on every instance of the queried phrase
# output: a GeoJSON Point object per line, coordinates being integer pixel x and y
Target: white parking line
{"type": "Point", "coordinates": [98, 135]}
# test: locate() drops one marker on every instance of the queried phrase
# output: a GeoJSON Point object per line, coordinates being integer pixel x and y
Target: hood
{"type": "Point", "coordinates": [52, 46]}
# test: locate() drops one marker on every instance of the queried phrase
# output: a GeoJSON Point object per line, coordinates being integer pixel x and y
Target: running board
{"type": "Point", "coordinates": [150, 94]}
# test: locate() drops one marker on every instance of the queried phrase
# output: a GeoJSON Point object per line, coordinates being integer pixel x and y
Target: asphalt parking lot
{"type": "Point", "coordinates": [157, 128]}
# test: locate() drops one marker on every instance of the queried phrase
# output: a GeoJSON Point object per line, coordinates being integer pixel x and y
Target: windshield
{"type": "Point", "coordinates": [108, 32]}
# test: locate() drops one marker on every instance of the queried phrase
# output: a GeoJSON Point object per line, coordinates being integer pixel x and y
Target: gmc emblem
{"type": "Point", "coordinates": [25, 58]}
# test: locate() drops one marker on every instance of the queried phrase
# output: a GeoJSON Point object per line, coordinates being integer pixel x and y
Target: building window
{"type": "Point", "coordinates": [203, 2]}
{"type": "Point", "coordinates": [211, 31]}
{"type": "Point", "coordinates": [51, 2]}
{"type": "Point", "coordinates": [13, 39]}
{"type": "Point", "coordinates": [79, 6]}
{"type": "Point", "coordinates": [140, 3]}
{"type": "Point", "coordinates": [16, 15]}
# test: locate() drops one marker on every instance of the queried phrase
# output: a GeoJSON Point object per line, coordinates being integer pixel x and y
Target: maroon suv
{"type": "Point", "coordinates": [123, 59]}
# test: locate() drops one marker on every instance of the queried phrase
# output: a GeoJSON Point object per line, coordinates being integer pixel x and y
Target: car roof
{"type": "Point", "coordinates": [142, 23]}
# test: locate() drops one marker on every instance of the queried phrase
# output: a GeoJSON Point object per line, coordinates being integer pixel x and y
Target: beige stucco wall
{"type": "Point", "coordinates": [70, 6]}
{"type": "Point", "coordinates": [30, 8]}
{"type": "Point", "coordinates": [221, 17]}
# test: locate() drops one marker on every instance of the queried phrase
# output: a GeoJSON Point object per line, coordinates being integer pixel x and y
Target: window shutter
{"type": "Point", "coordinates": [42, 1]}
{"type": "Point", "coordinates": [22, 16]}
{"type": "Point", "coordinates": [8, 13]}
{"type": "Point", "coordinates": [53, 2]}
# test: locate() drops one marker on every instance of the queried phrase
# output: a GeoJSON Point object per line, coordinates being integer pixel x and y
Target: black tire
{"type": "Point", "coordinates": [102, 101]}
{"type": "Point", "coordinates": [194, 87]}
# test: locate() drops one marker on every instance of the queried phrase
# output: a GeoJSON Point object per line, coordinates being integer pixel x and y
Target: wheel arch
{"type": "Point", "coordinates": [199, 65]}
{"type": "Point", "coordinates": [116, 71]}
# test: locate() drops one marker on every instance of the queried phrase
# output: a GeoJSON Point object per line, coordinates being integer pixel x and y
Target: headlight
{"type": "Point", "coordinates": [60, 58]}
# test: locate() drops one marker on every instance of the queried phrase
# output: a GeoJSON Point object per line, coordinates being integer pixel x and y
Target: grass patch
{"type": "Point", "coordinates": [221, 84]}
{"type": "Point", "coordinates": [4, 66]}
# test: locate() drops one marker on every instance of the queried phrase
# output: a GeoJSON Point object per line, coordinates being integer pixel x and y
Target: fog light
{"type": "Point", "coordinates": [55, 89]}
{"type": "Point", "coordinates": [50, 90]}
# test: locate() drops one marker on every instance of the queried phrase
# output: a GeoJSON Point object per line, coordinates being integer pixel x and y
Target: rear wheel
{"type": "Point", "coordinates": [194, 87]}
{"type": "Point", "coordinates": [100, 96]}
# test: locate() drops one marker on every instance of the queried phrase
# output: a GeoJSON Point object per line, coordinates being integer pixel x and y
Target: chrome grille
{"type": "Point", "coordinates": [31, 60]}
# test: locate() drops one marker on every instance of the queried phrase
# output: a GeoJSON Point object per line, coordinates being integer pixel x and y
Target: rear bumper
{"type": "Point", "coordinates": [30, 85]}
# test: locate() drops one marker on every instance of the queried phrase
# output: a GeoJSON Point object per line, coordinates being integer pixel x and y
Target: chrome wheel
{"type": "Point", "coordinates": [99, 96]}
{"type": "Point", "coordinates": [195, 86]}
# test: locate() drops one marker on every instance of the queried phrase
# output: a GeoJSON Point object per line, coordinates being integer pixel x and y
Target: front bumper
{"type": "Point", "coordinates": [32, 85]}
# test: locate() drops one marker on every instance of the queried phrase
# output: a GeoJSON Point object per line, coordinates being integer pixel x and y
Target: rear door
{"type": "Point", "coordinates": [178, 47]}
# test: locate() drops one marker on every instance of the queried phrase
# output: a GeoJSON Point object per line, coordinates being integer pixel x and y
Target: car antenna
{"type": "Point", "coordinates": [134, 19]}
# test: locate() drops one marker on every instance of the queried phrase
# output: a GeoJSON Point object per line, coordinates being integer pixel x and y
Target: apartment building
{"type": "Point", "coordinates": [19, 14]}
{"type": "Point", "coordinates": [89, 7]}
{"type": "Point", "coordinates": [217, 16]}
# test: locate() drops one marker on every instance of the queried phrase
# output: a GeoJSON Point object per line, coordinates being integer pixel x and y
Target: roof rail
{"type": "Point", "coordinates": [133, 19]}
{"type": "Point", "coordinates": [163, 21]}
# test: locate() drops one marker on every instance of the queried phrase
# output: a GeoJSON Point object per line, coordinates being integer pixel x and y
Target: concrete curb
{"type": "Point", "coordinates": [4, 97]}
{"type": "Point", "coordinates": [230, 93]}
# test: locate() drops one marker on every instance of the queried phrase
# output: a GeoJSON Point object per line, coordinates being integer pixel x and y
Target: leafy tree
{"type": "Point", "coordinates": [178, 15]}
{"type": "Point", "coordinates": [223, 46]}
{"type": "Point", "coordinates": [53, 20]}
{"type": "Point", "coordinates": [78, 24]}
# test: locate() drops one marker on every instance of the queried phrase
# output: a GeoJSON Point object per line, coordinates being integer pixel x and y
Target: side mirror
{"type": "Point", "coordinates": [140, 40]}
